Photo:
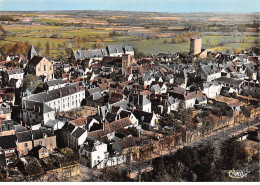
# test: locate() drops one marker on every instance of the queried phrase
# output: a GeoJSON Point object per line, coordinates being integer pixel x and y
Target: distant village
{"type": "Point", "coordinates": [109, 108]}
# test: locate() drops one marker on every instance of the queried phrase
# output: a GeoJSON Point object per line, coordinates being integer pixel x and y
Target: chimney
{"type": "Point", "coordinates": [104, 126]}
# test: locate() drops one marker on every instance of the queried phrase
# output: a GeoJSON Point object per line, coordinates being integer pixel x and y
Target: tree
{"type": "Point", "coordinates": [47, 49]}
{"type": "Point", "coordinates": [39, 46]}
{"type": "Point", "coordinates": [208, 41]}
{"type": "Point", "coordinates": [30, 82]}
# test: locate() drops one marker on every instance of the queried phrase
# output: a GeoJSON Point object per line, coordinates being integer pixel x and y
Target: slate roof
{"type": "Point", "coordinates": [172, 100]}
{"type": "Point", "coordinates": [125, 114]}
{"type": "Point", "coordinates": [35, 60]}
{"type": "Point", "coordinates": [228, 80]}
{"type": "Point", "coordinates": [38, 134]}
{"type": "Point", "coordinates": [96, 53]}
{"type": "Point", "coordinates": [138, 99]}
{"type": "Point", "coordinates": [208, 84]}
{"type": "Point", "coordinates": [209, 69]}
{"type": "Point", "coordinates": [55, 82]}
{"type": "Point", "coordinates": [7, 142]}
{"type": "Point", "coordinates": [19, 128]}
{"type": "Point", "coordinates": [24, 136]}
{"type": "Point", "coordinates": [126, 142]}
{"type": "Point", "coordinates": [128, 48]}
{"type": "Point", "coordinates": [7, 125]}
{"type": "Point", "coordinates": [110, 117]}
{"type": "Point", "coordinates": [50, 123]}
{"type": "Point", "coordinates": [156, 88]}
{"type": "Point", "coordinates": [14, 71]}
{"type": "Point", "coordinates": [143, 116]}
{"type": "Point", "coordinates": [94, 90]}
{"type": "Point", "coordinates": [115, 49]}
{"type": "Point", "coordinates": [4, 110]}
{"type": "Point", "coordinates": [78, 132]}
{"type": "Point", "coordinates": [54, 94]}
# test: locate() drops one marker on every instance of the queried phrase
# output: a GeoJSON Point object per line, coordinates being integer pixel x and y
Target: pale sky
{"type": "Point", "coordinates": [134, 5]}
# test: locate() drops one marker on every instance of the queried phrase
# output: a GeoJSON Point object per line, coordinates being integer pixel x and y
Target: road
{"type": "Point", "coordinates": [222, 134]}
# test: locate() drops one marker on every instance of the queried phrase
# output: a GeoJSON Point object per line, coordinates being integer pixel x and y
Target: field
{"type": "Point", "coordinates": [149, 33]}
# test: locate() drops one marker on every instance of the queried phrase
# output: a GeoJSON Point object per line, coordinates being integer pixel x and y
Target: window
{"type": "Point", "coordinates": [44, 67]}
{"type": "Point", "coordinates": [50, 67]}
{"type": "Point", "coordinates": [39, 68]}
{"type": "Point", "coordinates": [25, 144]}
{"type": "Point", "coordinates": [40, 142]}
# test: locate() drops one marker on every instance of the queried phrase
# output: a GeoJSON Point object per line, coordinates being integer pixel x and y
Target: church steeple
{"type": "Point", "coordinates": [32, 52]}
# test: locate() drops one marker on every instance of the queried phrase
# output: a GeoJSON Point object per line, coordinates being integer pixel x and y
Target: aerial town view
{"type": "Point", "coordinates": [129, 91]}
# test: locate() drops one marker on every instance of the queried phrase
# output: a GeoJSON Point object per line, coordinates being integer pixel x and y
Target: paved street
{"type": "Point", "coordinates": [222, 134]}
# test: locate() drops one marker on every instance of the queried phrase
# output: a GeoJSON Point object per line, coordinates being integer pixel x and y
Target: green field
{"type": "Point", "coordinates": [65, 37]}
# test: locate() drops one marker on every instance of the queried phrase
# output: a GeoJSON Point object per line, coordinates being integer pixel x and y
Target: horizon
{"type": "Point", "coordinates": [165, 6]}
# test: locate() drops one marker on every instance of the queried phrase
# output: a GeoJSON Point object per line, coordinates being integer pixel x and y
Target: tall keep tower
{"type": "Point", "coordinates": [195, 46]}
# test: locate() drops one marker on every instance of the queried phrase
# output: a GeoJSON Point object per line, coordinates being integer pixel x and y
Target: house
{"type": "Point", "coordinates": [5, 113]}
{"type": "Point", "coordinates": [53, 84]}
{"type": "Point", "coordinates": [211, 89]}
{"type": "Point", "coordinates": [24, 142]}
{"type": "Point", "coordinates": [8, 145]}
{"type": "Point", "coordinates": [115, 50]}
{"type": "Point", "coordinates": [147, 80]}
{"type": "Point", "coordinates": [40, 152]}
{"type": "Point", "coordinates": [181, 78]}
{"type": "Point", "coordinates": [140, 102]}
{"type": "Point", "coordinates": [158, 88]}
{"type": "Point", "coordinates": [194, 98]}
{"type": "Point", "coordinates": [115, 97]}
{"type": "Point", "coordinates": [44, 137]}
{"type": "Point", "coordinates": [40, 66]}
{"type": "Point", "coordinates": [13, 74]}
{"type": "Point", "coordinates": [95, 152]}
{"type": "Point", "coordinates": [251, 88]}
{"type": "Point", "coordinates": [96, 54]}
{"type": "Point", "coordinates": [36, 114]}
{"type": "Point", "coordinates": [209, 72]}
{"type": "Point", "coordinates": [164, 104]}
{"type": "Point", "coordinates": [234, 83]}
{"type": "Point", "coordinates": [146, 119]}
{"type": "Point", "coordinates": [42, 106]}
{"type": "Point", "coordinates": [54, 125]}
{"type": "Point", "coordinates": [130, 115]}
{"type": "Point", "coordinates": [189, 99]}
{"type": "Point", "coordinates": [77, 138]}
{"type": "Point", "coordinates": [7, 127]}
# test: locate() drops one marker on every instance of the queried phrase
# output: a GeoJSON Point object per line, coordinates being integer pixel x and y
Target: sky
{"type": "Point", "coordinates": [240, 6]}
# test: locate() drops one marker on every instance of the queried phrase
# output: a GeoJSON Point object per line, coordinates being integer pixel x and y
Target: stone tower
{"type": "Point", "coordinates": [195, 46]}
